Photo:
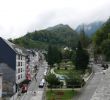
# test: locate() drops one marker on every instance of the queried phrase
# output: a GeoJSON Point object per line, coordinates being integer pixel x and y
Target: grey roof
{"type": "Point", "coordinates": [16, 48]}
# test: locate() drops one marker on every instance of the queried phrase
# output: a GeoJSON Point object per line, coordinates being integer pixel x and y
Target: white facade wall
{"type": "Point", "coordinates": [20, 68]}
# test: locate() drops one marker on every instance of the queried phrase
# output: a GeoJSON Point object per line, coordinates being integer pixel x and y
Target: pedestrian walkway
{"type": "Point", "coordinates": [37, 95]}
{"type": "Point", "coordinates": [93, 82]}
{"type": "Point", "coordinates": [103, 90]}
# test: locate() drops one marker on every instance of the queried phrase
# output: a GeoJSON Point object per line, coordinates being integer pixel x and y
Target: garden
{"type": "Point", "coordinates": [60, 94]}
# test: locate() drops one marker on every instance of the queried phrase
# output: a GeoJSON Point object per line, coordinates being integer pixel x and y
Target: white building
{"type": "Point", "coordinates": [20, 68]}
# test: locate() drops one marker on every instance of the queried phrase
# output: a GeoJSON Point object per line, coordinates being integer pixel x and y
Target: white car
{"type": "Point", "coordinates": [45, 72]}
{"type": "Point", "coordinates": [43, 81]}
{"type": "Point", "coordinates": [41, 85]}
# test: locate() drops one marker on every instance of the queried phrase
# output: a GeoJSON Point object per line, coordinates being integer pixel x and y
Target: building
{"type": "Point", "coordinates": [0, 85]}
{"type": "Point", "coordinates": [15, 57]}
{"type": "Point", "coordinates": [32, 61]}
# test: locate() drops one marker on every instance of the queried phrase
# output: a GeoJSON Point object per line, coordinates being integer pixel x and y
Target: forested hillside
{"type": "Point", "coordinates": [101, 40]}
{"type": "Point", "coordinates": [61, 35]}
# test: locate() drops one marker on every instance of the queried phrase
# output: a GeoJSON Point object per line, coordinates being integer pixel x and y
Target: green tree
{"type": "Point", "coordinates": [84, 39]}
{"type": "Point", "coordinates": [67, 54]}
{"type": "Point", "coordinates": [82, 58]}
{"type": "Point", "coordinates": [10, 39]}
{"type": "Point", "coordinates": [52, 80]}
{"type": "Point", "coordinates": [73, 56]}
{"type": "Point", "coordinates": [50, 58]}
{"type": "Point", "coordinates": [53, 55]}
{"type": "Point", "coordinates": [73, 79]}
{"type": "Point", "coordinates": [105, 47]}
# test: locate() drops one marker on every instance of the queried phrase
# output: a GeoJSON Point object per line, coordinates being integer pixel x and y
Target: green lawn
{"type": "Point", "coordinates": [61, 71]}
{"type": "Point", "coordinates": [60, 94]}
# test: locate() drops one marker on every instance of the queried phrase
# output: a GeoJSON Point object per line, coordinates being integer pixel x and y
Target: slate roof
{"type": "Point", "coordinates": [17, 49]}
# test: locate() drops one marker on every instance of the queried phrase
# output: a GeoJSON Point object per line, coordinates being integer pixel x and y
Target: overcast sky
{"type": "Point", "coordinates": [17, 17]}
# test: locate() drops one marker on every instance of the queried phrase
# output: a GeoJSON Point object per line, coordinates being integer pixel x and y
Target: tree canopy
{"type": "Point", "coordinates": [101, 39]}
{"type": "Point", "coordinates": [82, 58]}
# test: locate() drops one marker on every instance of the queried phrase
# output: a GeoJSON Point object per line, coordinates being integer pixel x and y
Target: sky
{"type": "Point", "coordinates": [18, 17]}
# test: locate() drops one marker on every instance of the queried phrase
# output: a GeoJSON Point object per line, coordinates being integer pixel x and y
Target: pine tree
{"type": "Point", "coordinates": [54, 55]}
{"type": "Point", "coordinates": [50, 56]}
{"type": "Point", "coordinates": [84, 38]}
{"type": "Point", "coordinates": [82, 58]}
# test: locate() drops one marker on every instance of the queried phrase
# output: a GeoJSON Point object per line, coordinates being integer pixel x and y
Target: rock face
{"type": "Point", "coordinates": [90, 28]}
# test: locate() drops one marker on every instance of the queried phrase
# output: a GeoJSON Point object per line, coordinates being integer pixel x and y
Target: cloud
{"type": "Point", "coordinates": [17, 17]}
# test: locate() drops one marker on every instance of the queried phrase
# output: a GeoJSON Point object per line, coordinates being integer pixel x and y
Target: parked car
{"type": "Point", "coordinates": [45, 73]}
{"type": "Point", "coordinates": [41, 85]}
{"type": "Point", "coordinates": [43, 81]}
{"type": "Point", "coordinates": [24, 88]}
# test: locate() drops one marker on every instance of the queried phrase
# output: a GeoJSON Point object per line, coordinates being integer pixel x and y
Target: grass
{"type": "Point", "coordinates": [62, 70]}
{"type": "Point", "coordinates": [60, 94]}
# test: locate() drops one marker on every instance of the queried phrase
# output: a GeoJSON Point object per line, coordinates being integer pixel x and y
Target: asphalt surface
{"type": "Point", "coordinates": [88, 90]}
{"type": "Point", "coordinates": [34, 85]}
{"type": "Point", "coordinates": [103, 90]}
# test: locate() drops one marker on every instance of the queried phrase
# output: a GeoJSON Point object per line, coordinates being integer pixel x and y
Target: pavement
{"type": "Point", "coordinates": [34, 92]}
{"type": "Point", "coordinates": [88, 90]}
{"type": "Point", "coordinates": [103, 90]}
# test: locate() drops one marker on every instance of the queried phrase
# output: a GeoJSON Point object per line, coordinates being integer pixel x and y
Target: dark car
{"type": "Point", "coordinates": [24, 88]}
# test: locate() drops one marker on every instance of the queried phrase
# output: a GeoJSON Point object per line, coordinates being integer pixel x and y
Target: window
{"type": "Point", "coordinates": [21, 75]}
{"type": "Point", "coordinates": [21, 69]}
{"type": "Point", "coordinates": [18, 70]}
{"type": "Point", "coordinates": [18, 76]}
{"type": "Point", "coordinates": [18, 63]}
{"type": "Point", "coordinates": [21, 63]}
{"type": "Point", "coordinates": [19, 57]}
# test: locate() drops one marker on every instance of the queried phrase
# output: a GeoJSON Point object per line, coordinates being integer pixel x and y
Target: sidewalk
{"type": "Point", "coordinates": [103, 90]}
{"type": "Point", "coordinates": [37, 95]}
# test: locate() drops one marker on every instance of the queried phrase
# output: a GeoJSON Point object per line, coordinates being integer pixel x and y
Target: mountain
{"type": "Point", "coordinates": [90, 28]}
{"type": "Point", "coordinates": [61, 35]}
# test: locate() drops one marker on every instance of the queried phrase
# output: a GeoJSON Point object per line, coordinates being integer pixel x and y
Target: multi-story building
{"type": "Point", "coordinates": [14, 56]}
{"type": "Point", "coordinates": [33, 61]}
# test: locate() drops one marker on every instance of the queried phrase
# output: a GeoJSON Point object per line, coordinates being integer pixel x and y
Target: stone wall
{"type": "Point", "coordinates": [8, 78]}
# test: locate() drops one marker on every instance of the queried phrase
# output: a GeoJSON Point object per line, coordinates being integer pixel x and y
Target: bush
{"type": "Point", "coordinates": [58, 68]}
{"type": "Point", "coordinates": [65, 68]}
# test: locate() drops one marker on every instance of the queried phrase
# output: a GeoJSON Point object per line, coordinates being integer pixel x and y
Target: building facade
{"type": "Point", "coordinates": [14, 56]}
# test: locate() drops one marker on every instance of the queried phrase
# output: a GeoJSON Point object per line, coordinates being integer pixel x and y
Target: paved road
{"type": "Point", "coordinates": [103, 90]}
{"type": "Point", "coordinates": [34, 86]}
{"type": "Point", "coordinates": [89, 89]}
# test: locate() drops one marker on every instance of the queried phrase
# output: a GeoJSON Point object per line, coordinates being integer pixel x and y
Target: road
{"type": "Point", "coordinates": [34, 86]}
{"type": "Point", "coordinates": [88, 90]}
{"type": "Point", "coordinates": [103, 90]}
